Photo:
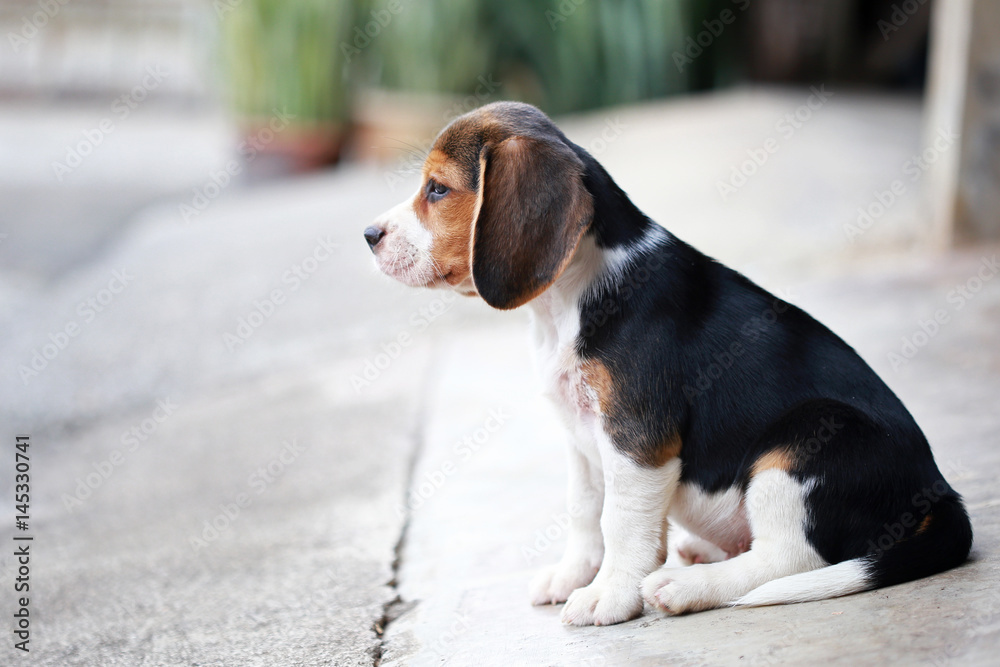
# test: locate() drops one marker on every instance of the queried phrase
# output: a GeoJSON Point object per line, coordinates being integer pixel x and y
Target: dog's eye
{"type": "Point", "coordinates": [435, 191]}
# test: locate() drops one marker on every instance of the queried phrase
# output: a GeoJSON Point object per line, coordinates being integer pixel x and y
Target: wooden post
{"type": "Point", "coordinates": [963, 98]}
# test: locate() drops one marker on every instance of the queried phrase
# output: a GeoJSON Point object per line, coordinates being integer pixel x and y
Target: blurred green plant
{"type": "Point", "coordinates": [564, 55]}
{"type": "Point", "coordinates": [594, 53]}
{"type": "Point", "coordinates": [432, 46]}
{"type": "Point", "coordinates": [285, 55]}
{"type": "Point", "coordinates": [310, 56]}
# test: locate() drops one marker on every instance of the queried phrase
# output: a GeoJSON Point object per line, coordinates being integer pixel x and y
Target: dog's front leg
{"type": "Point", "coordinates": [636, 498]}
{"type": "Point", "coordinates": [584, 545]}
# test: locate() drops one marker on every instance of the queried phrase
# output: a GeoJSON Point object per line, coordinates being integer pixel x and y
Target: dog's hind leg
{"type": "Point", "coordinates": [776, 510]}
{"type": "Point", "coordinates": [690, 549]}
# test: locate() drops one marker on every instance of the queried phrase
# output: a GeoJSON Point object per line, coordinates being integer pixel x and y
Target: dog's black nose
{"type": "Point", "coordinates": [373, 235]}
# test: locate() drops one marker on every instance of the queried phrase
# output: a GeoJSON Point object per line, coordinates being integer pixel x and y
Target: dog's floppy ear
{"type": "Point", "coordinates": [532, 210]}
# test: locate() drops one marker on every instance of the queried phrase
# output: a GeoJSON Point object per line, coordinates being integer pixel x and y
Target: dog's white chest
{"type": "Point", "coordinates": [561, 368]}
{"type": "Point", "coordinates": [569, 387]}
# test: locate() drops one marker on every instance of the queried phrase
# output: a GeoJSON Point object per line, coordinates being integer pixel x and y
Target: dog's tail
{"type": "Point", "coordinates": [942, 542]}
{"type": "Point", "coordinates": [850, 576]}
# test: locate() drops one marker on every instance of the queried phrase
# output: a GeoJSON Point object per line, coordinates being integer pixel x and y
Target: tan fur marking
{"type": "Point", "coordinates": [600, 380]}
{"type": "Point", "coordinates": [780, 458]}
{"type": "Point", "coordinates": [449, 220]}
{"type": "Point", "coordinates": [668, 450]}
{"type": "Point", "coordinates": [924, 524]}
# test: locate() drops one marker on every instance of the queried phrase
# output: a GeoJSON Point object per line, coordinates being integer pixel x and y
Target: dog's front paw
{"type": "Point", "coordinates": [680, 590]}
{"type": "Point", "coordinates": [555, 583]}
{"type": "Point", "coordinates": [604, 602]}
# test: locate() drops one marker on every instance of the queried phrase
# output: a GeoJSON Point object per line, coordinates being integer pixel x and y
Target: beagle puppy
{"type": "Point", "coordinates": [784, 466]}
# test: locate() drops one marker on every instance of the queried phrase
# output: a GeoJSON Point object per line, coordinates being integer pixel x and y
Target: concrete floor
{"type": "Point", "coordinates": [320, 553]}
{"type": "Point", "coordinates": [472, 545]}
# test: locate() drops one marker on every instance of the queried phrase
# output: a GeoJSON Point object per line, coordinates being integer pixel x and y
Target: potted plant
{"type": "Point", "coordinates": [285, 79]}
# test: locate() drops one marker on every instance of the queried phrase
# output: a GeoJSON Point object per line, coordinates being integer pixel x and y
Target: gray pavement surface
{"type": "Point", "coordinates": [256, 451]}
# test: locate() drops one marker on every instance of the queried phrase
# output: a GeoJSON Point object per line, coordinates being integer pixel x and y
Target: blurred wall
{"type": "Point", "coordinates": [60, 49]}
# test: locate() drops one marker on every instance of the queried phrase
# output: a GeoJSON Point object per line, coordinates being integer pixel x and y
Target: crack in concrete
{"type": "Point", "coordinates": [395, 607]}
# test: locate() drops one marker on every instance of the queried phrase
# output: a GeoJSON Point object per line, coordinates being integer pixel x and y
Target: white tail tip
{"type": "Point", "coordinates": [850, 576]}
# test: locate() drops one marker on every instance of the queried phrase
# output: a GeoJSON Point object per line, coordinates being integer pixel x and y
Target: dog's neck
{"type": "Point", "coordinates": [559, 305]}
{"type": "Point", "coordinates": [616, 222]}
{"type": "Point", "coordinates": [618, 233]}
{"type": "Point", "coordinates": [594, 270]}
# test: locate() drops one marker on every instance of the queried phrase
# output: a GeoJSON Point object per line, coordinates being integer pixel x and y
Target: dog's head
{"type": "Point", "coordinates": [499, 212]}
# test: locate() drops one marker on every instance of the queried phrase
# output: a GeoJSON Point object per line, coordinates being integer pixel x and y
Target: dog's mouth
{"type": "Point", "coordinates": [401, 267]}
{"type": "Point", "coordinates": [407, 266]}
